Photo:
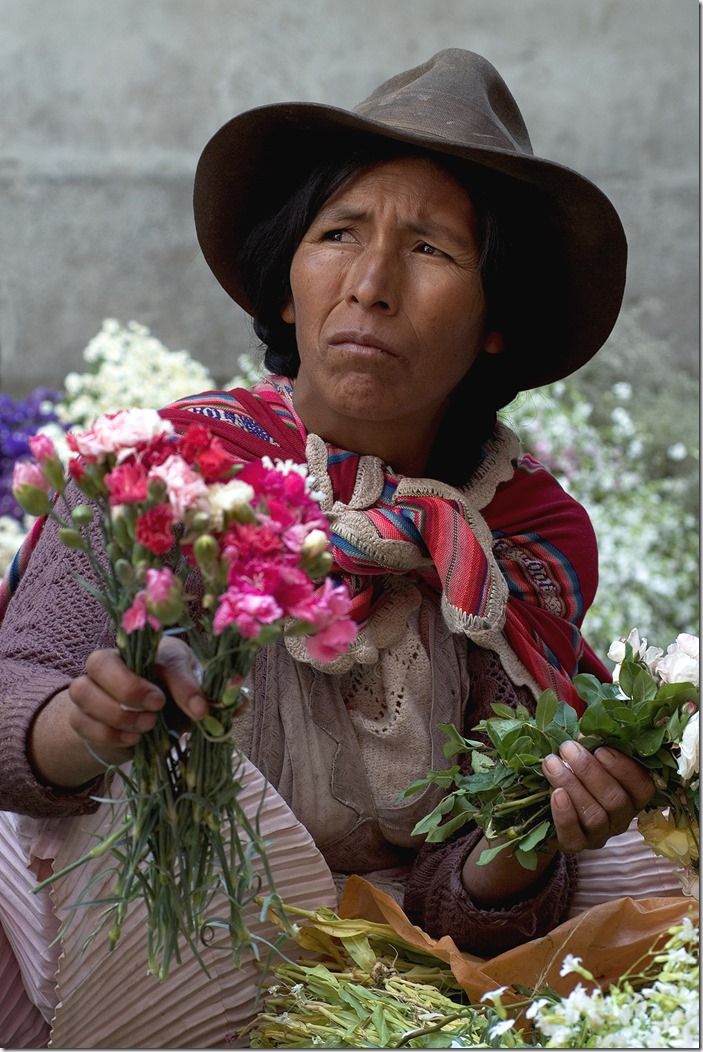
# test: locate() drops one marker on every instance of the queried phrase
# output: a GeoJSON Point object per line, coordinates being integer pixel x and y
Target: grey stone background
{"type": "Point", "coordinates": [105, 107]}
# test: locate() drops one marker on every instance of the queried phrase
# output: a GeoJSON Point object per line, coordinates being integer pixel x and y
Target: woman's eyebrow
{"type": "Point", "coordinates": [424, 228]}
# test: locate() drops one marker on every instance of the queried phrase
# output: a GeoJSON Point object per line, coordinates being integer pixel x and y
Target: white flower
{"type": "Point", "coordinates": [677, 452]}
{"type": "Point", "coordinates": [680, 664]}
{"type": "Point", "coordinates": [500, 1028]}
{"type": "Point", "coordinates": [226, 498]}
{"type": "Point", "coordinates": [623, 391]}
{"type": "Point", "coordinates": [649, 655]}
{"type": "Point", "coordinates": [688, 758]}
{"type": "Point", "coordinates": [616, 652]}
{"type": "Point", "coordinates": [573, 964]}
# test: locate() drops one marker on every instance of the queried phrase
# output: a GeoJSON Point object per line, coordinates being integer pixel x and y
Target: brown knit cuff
{"type": "Point", "coordinates": [22, 791]}
{"type": "Point", "coordinates": [437, 900]}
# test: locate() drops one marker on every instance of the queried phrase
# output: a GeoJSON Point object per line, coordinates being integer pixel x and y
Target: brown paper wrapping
{"type": "Point", "coordinates": [610, 939]}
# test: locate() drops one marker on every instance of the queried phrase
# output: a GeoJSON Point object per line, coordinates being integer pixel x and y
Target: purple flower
{"type": "Point", "coordinates": [20, 418]}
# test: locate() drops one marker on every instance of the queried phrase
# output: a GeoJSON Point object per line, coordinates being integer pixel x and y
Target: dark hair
{"type": "Point", "coordinates": [265, 259]}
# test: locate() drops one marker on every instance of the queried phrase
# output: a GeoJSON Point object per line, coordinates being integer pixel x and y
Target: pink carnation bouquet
{"type": "Point", "coordinates": [163, 509]}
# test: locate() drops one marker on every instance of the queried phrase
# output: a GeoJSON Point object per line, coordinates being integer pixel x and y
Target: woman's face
{"type": "Point", "coordinates": [388, 304]}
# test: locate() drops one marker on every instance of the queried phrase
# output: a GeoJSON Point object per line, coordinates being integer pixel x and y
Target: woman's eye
{"type": "Point", "coordinates": [429, 250]}
{"type": "Point", "coordinates": [334, 235]}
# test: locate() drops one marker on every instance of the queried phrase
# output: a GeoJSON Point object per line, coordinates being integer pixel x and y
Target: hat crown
{"type": "Point", "coordinates": [457, 96]}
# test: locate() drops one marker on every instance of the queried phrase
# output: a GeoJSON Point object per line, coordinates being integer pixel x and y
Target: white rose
{"type": "Point", "coordinates": [680, 663]}
{"type": "Point", "coordinates": [688, 758]}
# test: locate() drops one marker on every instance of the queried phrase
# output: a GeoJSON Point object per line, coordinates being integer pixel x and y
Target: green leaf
{"type": "Point", "coordinates": [643, 686]}
{"type": "Point", "coordinates": [503, 710]}
{"type": "Point", "coordinates": [456, 743]}
{"type": "Point", "coordinates": [443, 832]}
{"type": "Point", "coordinates": [536, 836]}
{"type": "Point", "coordinates": [490, 853]}
{"type": "Point", "coordinates": [527, 859]}
{"type": "Point", "coordinates": [212, 726]}
{"type": "Point", "coordinates": [588, 687]}
{"type": "Point", "coordinates": [441, 778]}
{"type": "Point", "coordinates": [596, 720]}
{"type": "Point", "coordinates": [624, 714]}
{"type": "Point", "coordinates": [433, 819]}
{"type": "Point", "coordinates": [546, 709]}
{"type": "Point", "coordinates": [627, 675]}
{"type": "Point", "coordinates": [649, 742]}
{"type": "Point", "coordinates": [480, 761]}
{"type": "Point", "coordinates": [566, 717]}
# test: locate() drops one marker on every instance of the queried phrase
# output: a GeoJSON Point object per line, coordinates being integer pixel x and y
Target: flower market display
{"type": "Point", "coordinates": [369, 988]}
{"type": "Point", "coordinates": [162, 504]}
{"type": "Point", "coordinates": [649, 712]}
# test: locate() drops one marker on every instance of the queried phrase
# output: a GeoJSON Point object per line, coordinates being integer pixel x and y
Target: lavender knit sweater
{"type": "Point", "coordinates": [52, 626]}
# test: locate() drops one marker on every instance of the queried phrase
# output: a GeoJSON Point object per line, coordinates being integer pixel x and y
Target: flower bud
{"type": "Point", "coordinates": [199, 522]}
{"type": "Point", "coordinates": [314, 544]}
{"type": "Point", "coordinates": [81, 515]}
{"type": "Point", "coordinates": [124, 572]}
{"type": "Point", "coordinates": [54, 471]}
{"type": "Point", "coordinates": [32, 500]}
{"type": "Point", "coordinates": [71, 538]}
{"type": "Point", "coordinates": [156, 490]}
{"type": "Point", "coordinates": [206, 551]}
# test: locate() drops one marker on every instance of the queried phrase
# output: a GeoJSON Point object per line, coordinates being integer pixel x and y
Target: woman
{"type": "Point", "coordinates": [410, 266]}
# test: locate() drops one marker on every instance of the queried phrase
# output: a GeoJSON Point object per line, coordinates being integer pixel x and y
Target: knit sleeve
{"type": "Point", "coordinates": [51, 626]}
{"type": "Point", "coordinates": [435, 896]}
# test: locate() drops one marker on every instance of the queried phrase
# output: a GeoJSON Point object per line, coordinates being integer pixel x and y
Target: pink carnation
{"type": "Point", "coordinates": [42, 448]}
{"type": "Point", "coordinates": [138, 616]}
{"type": "Point", "coordinates": [121, 433]}
{"type": "Point", "coordinates": [25, 473]}
{"type": "Point", "coordinates": [127, 484]}
{"type": "Point", "coordinates": [247, 611]}
{"type": "Point", "coordinates": [332, 641]}
{"type": "Point", "coordinates": [159, 585]}
{"type": "Point", "coordinates": [334, 630]}
{"type": "Point", "coordinates": [186, 489]}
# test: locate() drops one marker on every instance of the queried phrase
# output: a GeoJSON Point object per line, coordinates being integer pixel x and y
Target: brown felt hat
{"type": "Point", "coordinates": [566, 242]}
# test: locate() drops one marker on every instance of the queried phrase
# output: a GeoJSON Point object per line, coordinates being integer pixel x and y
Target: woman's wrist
{"type": "Point", "coordinates": [503, 878]}
{"type": "Point", "coordinates": [58, 755]}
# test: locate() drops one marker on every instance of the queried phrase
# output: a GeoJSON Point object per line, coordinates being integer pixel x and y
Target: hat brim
{"type": "Point", "coordinates": [254, 162]}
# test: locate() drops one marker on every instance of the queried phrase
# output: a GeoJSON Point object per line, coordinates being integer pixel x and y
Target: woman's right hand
{"type": "Point", "coordinates": [108, 709]}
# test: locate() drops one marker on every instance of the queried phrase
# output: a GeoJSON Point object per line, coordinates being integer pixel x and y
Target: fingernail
{"type": "Point", "coordinates": [129, 739]}
{"type": "Point", "coordinates": [605, 755]}
{"type": "Point", "coordinates": [553, 764]}
{"type": "Point", "coordinates": [145, 722]}
{"type": "Point", "coordinates": [197, 706]}
{"type": "Point", "coordinates": [560, 799]}
{"type": "Point", "coordinates": [154, 701]}
{"type": "Point", "coordinates": [571, 751]}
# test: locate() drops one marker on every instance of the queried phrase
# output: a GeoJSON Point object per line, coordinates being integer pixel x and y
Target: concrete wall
{"type": "Point", "coordinates": [105, 105]}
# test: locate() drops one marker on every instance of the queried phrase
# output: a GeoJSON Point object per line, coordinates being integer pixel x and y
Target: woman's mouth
{"type": "Point", "coordinates": [361, 343]}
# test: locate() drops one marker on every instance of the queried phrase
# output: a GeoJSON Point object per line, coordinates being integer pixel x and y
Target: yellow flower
{"type": "Point", "coordinates": [678, 843]}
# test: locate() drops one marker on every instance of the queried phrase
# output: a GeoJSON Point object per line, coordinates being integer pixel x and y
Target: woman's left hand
{"type": "Point", "coordinates": [596, 795]}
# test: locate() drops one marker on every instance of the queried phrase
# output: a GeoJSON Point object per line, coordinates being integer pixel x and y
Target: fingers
{"type": "Point", "coordinates": [596, 796]}
{"type": "Point", "coordinates": [177, 668]}
{"type": "Point", "coordinates": [111, 705]}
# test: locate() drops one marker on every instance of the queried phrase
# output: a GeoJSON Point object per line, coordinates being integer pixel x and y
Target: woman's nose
{"type": "Point", "coordinates": [373, 280]}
